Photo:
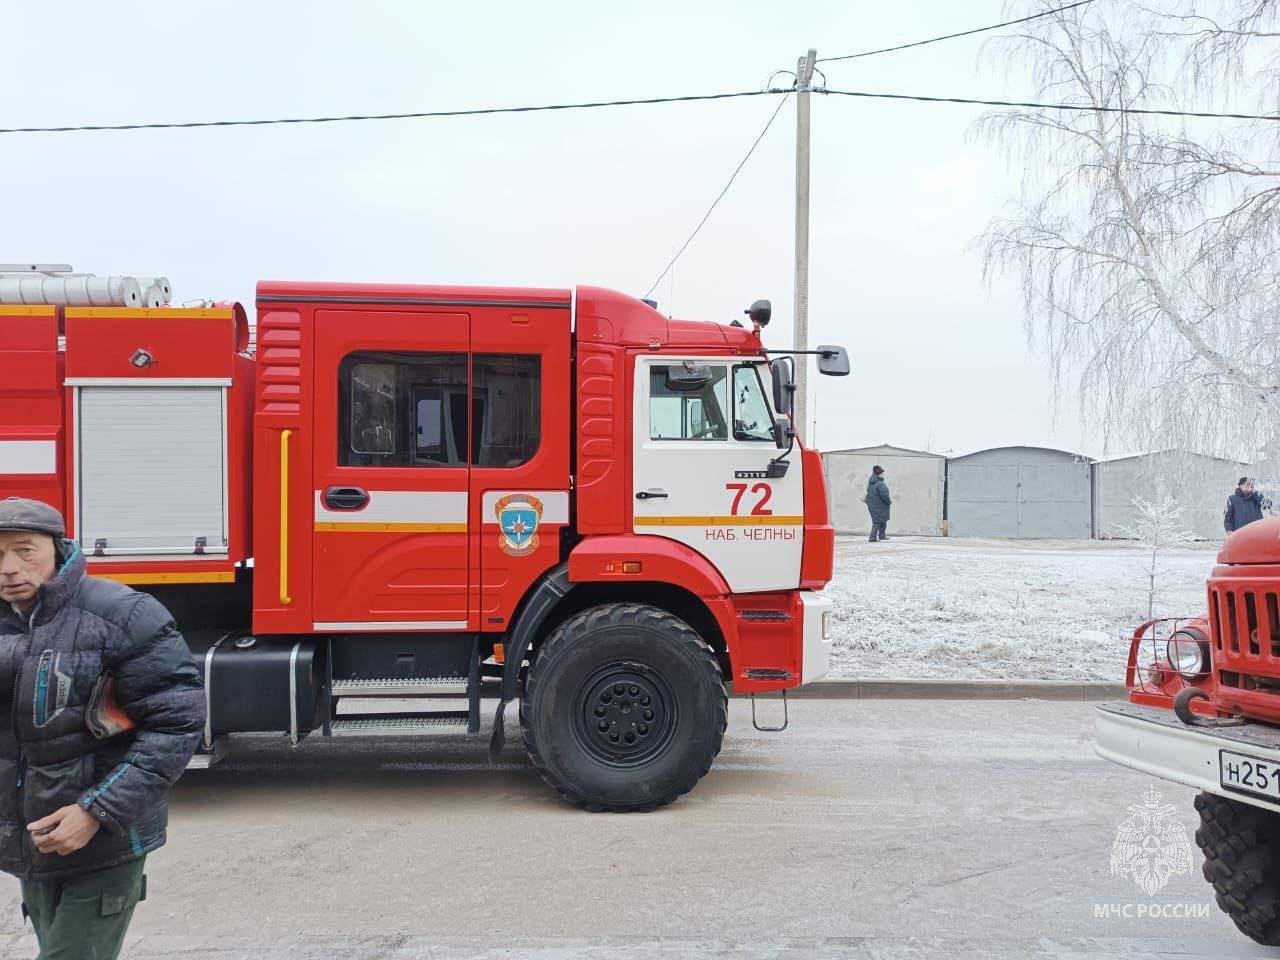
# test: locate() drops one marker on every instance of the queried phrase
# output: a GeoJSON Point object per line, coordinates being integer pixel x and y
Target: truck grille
{"type": "Point", "coordinates": [1245, 618]}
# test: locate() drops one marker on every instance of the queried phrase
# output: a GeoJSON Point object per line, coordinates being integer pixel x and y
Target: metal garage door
{"type": "Point", "coordinates": [151, 475]}
{"type": "Point", "coordinates": [1054, 500]}
{"type": "Point", "coordinates": [1041, 499]}
{"type": "Point", "coordinates": [982, 500]}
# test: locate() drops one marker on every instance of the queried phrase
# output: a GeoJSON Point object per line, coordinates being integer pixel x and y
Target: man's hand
{"type": "Point", "coordinates": [64, 831]}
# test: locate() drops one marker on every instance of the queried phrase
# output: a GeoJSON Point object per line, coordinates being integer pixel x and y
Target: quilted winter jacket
{"type": "Point", "coordinates": [1243, 509]}
{"type": "Point", "coordinates": [50, 663]}
{"type": "Point", "coordinates": [878, 499]}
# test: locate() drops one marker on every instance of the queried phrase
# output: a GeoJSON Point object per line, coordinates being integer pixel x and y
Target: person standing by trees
{"type": "Point", "coordinates": [1244, 506]}
{"type": "Point", "coordinates": [878, 502]}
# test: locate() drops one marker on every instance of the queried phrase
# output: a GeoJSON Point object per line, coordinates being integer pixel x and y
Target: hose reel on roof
{"type": "Point", "coordinates": [56, 284]}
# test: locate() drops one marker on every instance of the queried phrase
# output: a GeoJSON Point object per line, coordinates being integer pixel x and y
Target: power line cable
{"type": "Point", "coordinates": [1080, 107]}
{"type": "Point", "coordinates": [589, 105]}
{"type": "Point", "coordinates": [953, 36]}
{"type": "Point", "coordinates": [481, 111]}
{"type": "Point", "coordinates": [738, 169]}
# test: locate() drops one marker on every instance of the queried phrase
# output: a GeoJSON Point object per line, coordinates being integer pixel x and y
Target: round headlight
{"type": "Point", "coordinates": [1188, 656]}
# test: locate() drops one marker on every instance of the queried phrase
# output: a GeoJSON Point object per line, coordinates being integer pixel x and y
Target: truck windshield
{"type": "Point", "coordinates": [751, 417]}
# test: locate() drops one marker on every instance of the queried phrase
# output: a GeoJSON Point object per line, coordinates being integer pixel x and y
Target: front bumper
{"type": "Point", "coordinates": [1154, 741]}
{"type": "Point", "coordinates": [815, 650]}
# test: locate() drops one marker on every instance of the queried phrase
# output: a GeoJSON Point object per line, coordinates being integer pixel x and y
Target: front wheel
{"type": "Point", "coordinates": [624, 708]}
{"type": "Point", "coordinates": [1241, 845]}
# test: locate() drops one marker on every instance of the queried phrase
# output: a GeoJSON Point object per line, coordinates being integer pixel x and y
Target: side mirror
{"type": "Point", "coordinates": [760, 312]}
{"type": "Point", "coordinates": [687, 377]}
{"type": "Point", "coordinates": [783, 385]}
{"type": "Point", "coordinates": [833, 361]}
{"type": "Point", "coordinates": [781, 432]}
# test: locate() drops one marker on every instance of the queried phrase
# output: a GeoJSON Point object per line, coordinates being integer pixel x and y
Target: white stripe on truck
{"type": "Point", "coordinates": [28, 456]}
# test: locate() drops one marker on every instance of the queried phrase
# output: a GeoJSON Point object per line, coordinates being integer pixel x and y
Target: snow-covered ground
{"type": "Point", "coordinates": [1008, 609]}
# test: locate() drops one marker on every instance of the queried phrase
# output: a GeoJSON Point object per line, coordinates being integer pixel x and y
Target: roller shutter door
{"type": "Point", "coordinates": [152, 469]}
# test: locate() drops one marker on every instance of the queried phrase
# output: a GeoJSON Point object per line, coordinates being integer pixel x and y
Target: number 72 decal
{"type": "Point", "coordinates": [762, 490]}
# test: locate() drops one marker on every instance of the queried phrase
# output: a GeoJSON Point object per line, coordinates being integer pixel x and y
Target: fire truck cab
{"type": "Point", "coordinates": [1204, 711]}
{"type": "Point", "coordinates": [429, 496]}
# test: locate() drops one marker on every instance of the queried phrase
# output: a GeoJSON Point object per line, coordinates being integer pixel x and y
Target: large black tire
{"type": "Point", "coordinates": [624, 708]}
{"type": "Point", "coordinates": [1241, 846]}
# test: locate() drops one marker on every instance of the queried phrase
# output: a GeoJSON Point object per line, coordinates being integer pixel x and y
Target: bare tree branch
{"type": "Point", "coordinates": [1148, 257]}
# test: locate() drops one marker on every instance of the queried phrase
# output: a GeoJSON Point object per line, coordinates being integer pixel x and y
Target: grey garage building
{"type": "Point", "coordinates": [1020, 492]}
{"type": "Point", "coordinates": [915, 481]}
{"type": "Point", "coordinates": [1199, 483]}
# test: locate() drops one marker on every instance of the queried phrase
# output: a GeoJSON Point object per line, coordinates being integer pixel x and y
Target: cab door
{"type": "Point", "coordinates": [700, 462]}
{"type": "Point", "coordinates": [520, 377]}
{"type": "Point", "coordinates": [390, 472]}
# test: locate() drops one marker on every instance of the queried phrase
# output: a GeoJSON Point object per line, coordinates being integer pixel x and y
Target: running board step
{"type": "Point", "coordinates": [205, 759]}
{"type": "Point", "coordinates": [399, 724]}
{"type": "Point", "coordinates": [401, 687]}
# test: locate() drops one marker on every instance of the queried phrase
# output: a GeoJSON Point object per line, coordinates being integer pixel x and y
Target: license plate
{"type": "Point", "coordinates": [1250, 775]}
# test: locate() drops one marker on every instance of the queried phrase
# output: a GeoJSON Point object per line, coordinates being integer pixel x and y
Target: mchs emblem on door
{"type": "Point", "coordinates": [518, 517]}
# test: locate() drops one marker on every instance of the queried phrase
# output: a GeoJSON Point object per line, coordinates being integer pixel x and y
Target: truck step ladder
{"type": "Point", "coordinates": [204, 759]}
{"type": "Point", "coordinates": [401, 687]}
{"type": "Point", "coordinates": [428, 710]}
{"type": "Point", "coordinates": [400, 724]}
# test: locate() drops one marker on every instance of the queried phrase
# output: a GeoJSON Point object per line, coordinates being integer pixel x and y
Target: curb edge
{"type": "Point", "coordinates": [856, 688]}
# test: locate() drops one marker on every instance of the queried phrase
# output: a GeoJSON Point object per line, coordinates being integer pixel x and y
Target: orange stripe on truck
{"type": "Point", "coordinates": [15, 310]}
{"type": "Point", "coordinates": [324, 526]}
{"type": "Point", "coordinates": [747, 521]}
{"type": "Point", "coordinates": [143, 579]}
{"type": "Point", "coordinates": [151, 313]}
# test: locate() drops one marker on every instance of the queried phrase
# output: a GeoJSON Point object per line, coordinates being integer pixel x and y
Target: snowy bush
{"type": "Point", "coordinates": [1157, 526]}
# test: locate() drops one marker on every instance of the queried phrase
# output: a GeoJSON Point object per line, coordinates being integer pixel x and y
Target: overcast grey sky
{"type": "Point", "coordinates": [602, 197]}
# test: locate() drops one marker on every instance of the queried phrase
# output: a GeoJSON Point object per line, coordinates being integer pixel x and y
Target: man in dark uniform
{"type": "Point", "coordinates": [101, 708]}
{"type": "Point", "coordinates": [1244, 506]}
{"type": "Point", "coordinates": [878, 503]}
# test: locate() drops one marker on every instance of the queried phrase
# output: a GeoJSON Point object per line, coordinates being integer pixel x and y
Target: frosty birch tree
{"type": "Point", "coordinates": [1157, 525]}
{"type": "Point", "coordinates": [1147, 247]}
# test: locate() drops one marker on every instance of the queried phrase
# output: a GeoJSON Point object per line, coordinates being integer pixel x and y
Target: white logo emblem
{"type": "Point", "coordinates": [1151, 843]}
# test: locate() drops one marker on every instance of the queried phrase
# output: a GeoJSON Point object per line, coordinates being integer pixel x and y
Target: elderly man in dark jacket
{"type": "Point", "coordinates": [878, 501]}
{"type": "Point", "coordinates": [1244, 506]}
{"type": "Point", "coordinates": [101, 707]}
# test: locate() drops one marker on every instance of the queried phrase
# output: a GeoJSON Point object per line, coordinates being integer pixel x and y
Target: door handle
{"type": "Point", "coordinates": [651, 495]}
{"type": "Point", "coordinates": [345, 498]}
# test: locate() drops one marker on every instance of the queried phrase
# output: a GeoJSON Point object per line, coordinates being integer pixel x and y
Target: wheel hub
{"type": "Point", "coordinates": [626, 714]}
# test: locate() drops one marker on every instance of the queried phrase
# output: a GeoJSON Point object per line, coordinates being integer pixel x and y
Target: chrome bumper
{"type": "Point", "coordinates": [1155, 742]}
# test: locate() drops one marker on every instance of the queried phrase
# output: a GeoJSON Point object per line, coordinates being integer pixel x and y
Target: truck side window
{"type": "Point", "coordinates": [751, 417]}
{"type": "Point", "coordinates": [688, 415]}
{"type": "Point", "coordinates": [373, 409]}
{"type": "Point", "coordinates": [507, 415]}
{"type": "Point", "coordinates": [506, 422]}
{"type": "Point", "coordinates": [400, 409]}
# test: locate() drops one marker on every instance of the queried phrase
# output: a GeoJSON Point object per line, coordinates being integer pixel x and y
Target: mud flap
{"type": "Point", "coordinates": [498, 738]}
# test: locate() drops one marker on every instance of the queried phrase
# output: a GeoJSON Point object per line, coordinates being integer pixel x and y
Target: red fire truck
{"type": "Point", "coordinates": [1204, 710]}
{"type": "Point", "coordinates": [555, 496]}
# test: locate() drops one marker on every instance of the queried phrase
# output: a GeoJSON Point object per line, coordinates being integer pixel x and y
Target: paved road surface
{"type": "Point", "coordinates": [877, 829]}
